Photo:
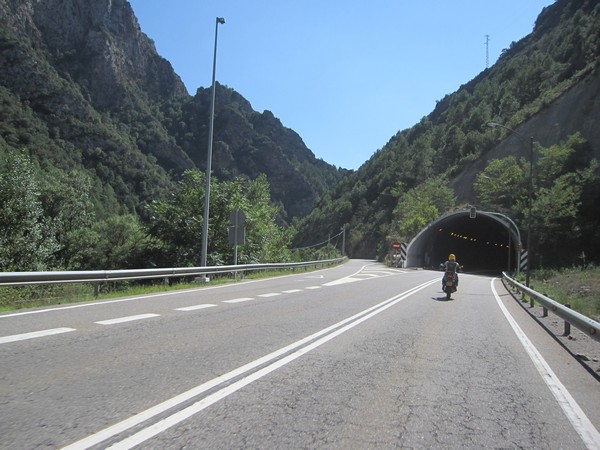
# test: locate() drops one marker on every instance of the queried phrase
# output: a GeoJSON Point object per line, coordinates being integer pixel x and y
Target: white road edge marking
{"type": "Point", "coordinates": [299, 347]}
{"type": "Point", "coordinates": [195, 307]}
{"type": "Point", "coordinates": [581, 423]}
{"type": "Point", "coordinates": [34, 334]}
{"type": "Point", "coordinates": [126, 319]}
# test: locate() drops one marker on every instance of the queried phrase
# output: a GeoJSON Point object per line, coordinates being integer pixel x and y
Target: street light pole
{"type": "Point", "coordinates": [203, 262]}
{"type": "Point", "coordinates": [529, 219]}
{"type": "Point", "coordinates": [530, 193]}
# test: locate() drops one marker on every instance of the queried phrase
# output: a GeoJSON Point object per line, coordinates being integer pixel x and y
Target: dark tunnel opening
{"type": "Point", "coordinates": [484, 244]}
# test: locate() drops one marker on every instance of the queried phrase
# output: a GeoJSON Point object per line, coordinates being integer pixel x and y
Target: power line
{"type": "Point", "coordinates": [321, 243]}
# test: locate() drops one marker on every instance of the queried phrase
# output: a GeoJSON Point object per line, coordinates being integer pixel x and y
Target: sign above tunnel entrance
{"type": "Point", "coordinates": [396, 245]}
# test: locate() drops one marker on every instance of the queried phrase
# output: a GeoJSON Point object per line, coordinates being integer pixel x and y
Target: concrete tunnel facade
{"type": "Point", "coordinates": [487, 243]}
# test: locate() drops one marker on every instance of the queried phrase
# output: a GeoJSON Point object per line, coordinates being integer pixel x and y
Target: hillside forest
{"type": "Point", "coordinates": [544, 86]}
{"type": "Point", "coordinates": [89, 181]}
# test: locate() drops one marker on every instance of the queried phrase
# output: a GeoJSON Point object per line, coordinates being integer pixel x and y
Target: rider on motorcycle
{"type": "Point", "coordinates": [451, 266]}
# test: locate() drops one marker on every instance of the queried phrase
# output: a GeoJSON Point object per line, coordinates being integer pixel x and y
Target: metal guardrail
{"type": "Point", "coordinates": [28, 278]}
{"type": "Point", "coordinates": [584, 323]}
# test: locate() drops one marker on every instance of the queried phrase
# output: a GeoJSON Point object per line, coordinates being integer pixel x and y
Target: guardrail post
{"type": "Point", "coordinates": [96, 289]}
{"type": "Point", "coordinates": [567, 325]}
{"type": "Point", "coordinates": [531, 301]}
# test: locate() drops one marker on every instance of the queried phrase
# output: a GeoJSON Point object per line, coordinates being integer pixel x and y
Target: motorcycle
{"type": "Point", "coordinates": [449, 285]}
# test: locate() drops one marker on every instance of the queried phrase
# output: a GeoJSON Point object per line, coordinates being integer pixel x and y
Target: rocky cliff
{"type": "Point", "coordinates": [82, 85]}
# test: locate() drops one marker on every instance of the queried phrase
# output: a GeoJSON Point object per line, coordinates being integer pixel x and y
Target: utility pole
{"type": "Point", "coordinates": [487, 51]}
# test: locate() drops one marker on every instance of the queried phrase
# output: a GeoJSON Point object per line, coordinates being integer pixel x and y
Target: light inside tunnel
{"type": "Point", "coordinates": [485, 243]}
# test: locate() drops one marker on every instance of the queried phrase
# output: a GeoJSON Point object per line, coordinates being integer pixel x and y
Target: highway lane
{"type": "Point", "coordinates": [350, 357]}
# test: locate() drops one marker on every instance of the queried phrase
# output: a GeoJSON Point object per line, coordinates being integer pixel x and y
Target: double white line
{"type": "Point", "coordinates": [247, 374]}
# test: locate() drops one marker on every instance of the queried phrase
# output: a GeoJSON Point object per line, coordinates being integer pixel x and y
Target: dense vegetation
{"type": "Point", "coordinates": [565, 187]}
{"type": "Point", "coordinates": [408, 183]}
{"type": "Point", "coordinates": [50, 223]}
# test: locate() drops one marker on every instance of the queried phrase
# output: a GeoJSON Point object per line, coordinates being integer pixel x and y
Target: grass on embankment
{"type": "Point", "coordinates": [577, 287]}
{"type": "Point", "coordinates": [35, 296]}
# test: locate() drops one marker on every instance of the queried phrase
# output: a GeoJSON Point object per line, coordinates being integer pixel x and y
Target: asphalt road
{"type": "Point", "coordinates": [358, 356]}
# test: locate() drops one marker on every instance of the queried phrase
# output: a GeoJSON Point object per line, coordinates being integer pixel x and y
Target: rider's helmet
{"type": "Point", "coordinates": [451, 257]}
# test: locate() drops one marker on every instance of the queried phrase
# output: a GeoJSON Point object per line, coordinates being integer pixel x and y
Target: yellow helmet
{"type": "Point", "coordinates": [452, 257]}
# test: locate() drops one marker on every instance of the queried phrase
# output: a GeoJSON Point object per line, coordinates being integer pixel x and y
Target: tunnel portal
{"type": "Point", "coordinates": [487, 243]}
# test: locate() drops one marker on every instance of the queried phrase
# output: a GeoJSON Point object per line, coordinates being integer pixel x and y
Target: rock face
{"type": "Point", "coordinates": [578, 110]}
{"type": "Point", "coordinates": [97, 90]}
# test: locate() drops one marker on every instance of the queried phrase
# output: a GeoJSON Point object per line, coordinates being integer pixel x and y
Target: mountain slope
{"type": "Point", "coordinates": [532, 80]}
{"type": "Point", "coordinates": [82, 87]}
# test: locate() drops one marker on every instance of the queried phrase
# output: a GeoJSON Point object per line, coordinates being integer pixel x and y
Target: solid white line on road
{"type": "Point", "coordinates": [238, 300]}
{"type": "Point", "coordinates": [34, 334]}
{"type": "Point", "coordinates": [195, 307]}
{"type": "Point", "coordinates": [274, 360]}
{"type": "Point", "coordinates": [581, 423]}
{"type": "Point", "coordinates": [126, 319]}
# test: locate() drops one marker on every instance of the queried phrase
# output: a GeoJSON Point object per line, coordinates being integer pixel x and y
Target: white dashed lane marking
{"type": "Point", "coordinates": [119, 320]}
{"type": "Point", "coordinates": [238, 300]}
{"type": "Point", "coordinates": [195, 307]}
{"type": "Point", "coordinates": [126, 319]}
{"type": "Point", "coordinates": [34, 334]}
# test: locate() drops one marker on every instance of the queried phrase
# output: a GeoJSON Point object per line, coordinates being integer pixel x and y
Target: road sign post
{"type": "Point", "coordinates": [237, 232]}
{"type": "Point", "coordinates": [399, 256]}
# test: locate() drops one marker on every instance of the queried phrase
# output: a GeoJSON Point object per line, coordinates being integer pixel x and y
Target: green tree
{"type": "Point", "coordinates": [422, 205]}
{"type": "Point", "coordinates": [499, 183]}
{"type": "Point", "coordinates": [27, 238]}
{"type": "Point", "coordinates": [560, 179]}
{"type": "Point", "coordinates": [118, 242]}
{"type": "Point", "coordinates": [266, 241]}
{"type": "Point", "coordinates": [67, 203]}
{"type": "Point", "coordinates": [177, 223]}
{"type": "Point", "coordinates": [562, 173]}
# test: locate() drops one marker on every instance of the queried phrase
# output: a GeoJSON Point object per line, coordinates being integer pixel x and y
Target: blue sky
{"type": "Point", "coordinates": [346, 75]}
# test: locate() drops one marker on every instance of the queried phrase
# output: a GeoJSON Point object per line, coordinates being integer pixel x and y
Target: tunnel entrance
{"type": "Point", "coordinates": [487, 243]}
